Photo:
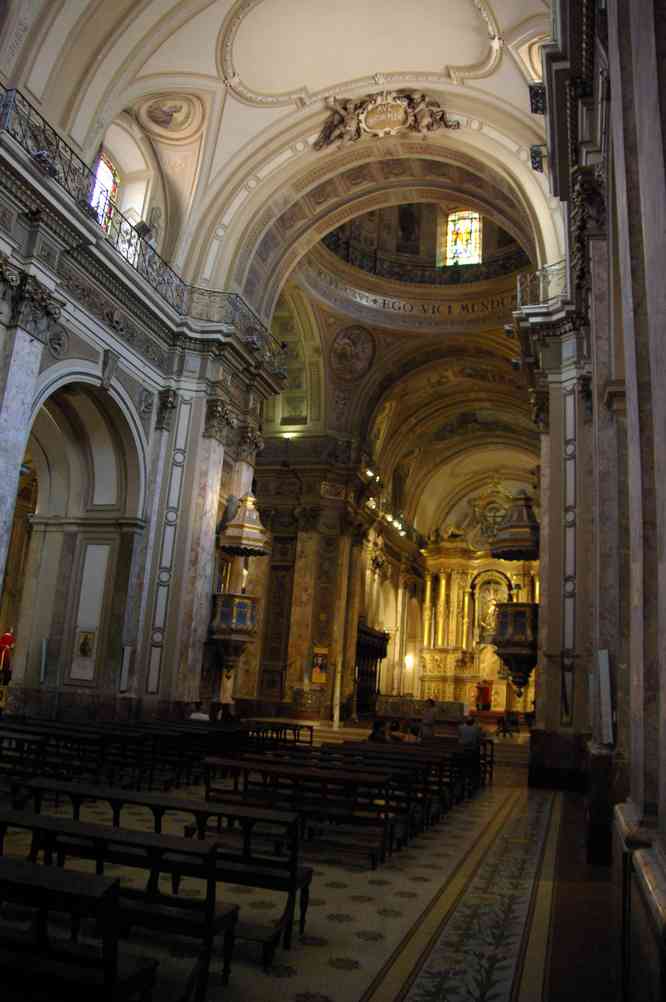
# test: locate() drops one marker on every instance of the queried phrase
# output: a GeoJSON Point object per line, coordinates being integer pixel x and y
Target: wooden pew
{"type": "Point", "coordinates": [407, 803]}
{"type": "Point", "coordinates": [60, 838]}
{"type": "Point", "coordinates": [338, 799]}
{"type": "Point", "coordinates": [60, 970]}
{"type": "Point", "coordinates": [245, 851]}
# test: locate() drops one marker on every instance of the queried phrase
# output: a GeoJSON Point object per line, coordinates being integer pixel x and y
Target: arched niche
{"type": "Point", "coordinates": [77, 571]}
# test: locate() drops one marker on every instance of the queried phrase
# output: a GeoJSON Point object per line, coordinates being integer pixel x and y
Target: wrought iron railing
{"type": "Point", "coordinates": [548, 284]}
{"type": "Point", "coordinates": [56, 160]}
{"type": "Point", "coordinates": [59, 162]}
{"type": "Point", "coordinates": [385, 266]}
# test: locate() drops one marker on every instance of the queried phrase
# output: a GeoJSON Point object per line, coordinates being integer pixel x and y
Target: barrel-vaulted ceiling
{"type": "Point", "coordinates": [215, 106]}
{"type": "Point", "coordinates": [230, 96]}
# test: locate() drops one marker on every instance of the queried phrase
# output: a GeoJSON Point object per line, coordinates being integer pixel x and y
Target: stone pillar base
{"type": "Point", "coordinates": [557, 761]}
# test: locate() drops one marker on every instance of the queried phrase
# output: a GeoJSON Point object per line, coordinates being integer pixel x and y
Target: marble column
{"type": "Point", "coordinates": [28, 319]}
{"type": "Point", "coordinates": [196, 597]}
{"type": "Point", "coordinates": [339, 615]}
{"type": "Point", "coordinates": [401, 646]}
{"type": "Point", "coordinates": [636, 119]}
{"type": "Point", "coordinates": [427, 611]}
{"type": "Point", "coordinates": [441, 610]}
{"type": "Point", "coordinates": [356, 574]}
{"type": "Point", "coordinates": [303, 600]}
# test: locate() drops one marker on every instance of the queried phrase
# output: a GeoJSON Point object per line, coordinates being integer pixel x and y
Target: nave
{"type": "Point", "coordinates": [477, 907]}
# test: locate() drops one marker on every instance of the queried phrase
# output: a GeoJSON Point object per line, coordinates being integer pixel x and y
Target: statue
{"type": "Point", "coordinates": [7, 643]}
{"type": "Point", "coordinates": [342, 124]}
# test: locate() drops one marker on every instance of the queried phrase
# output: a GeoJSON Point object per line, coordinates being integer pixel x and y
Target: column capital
{"type": "Point", "coordinates": [219, 419]}
{"type": "Point", "coordinates": [32, 305]}
{"type": "Point", "coordinates": [307, 518]}
{"type": "Point", "coordinates": [250, 442]}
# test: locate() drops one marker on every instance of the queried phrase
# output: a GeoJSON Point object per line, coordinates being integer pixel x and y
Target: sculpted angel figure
{"type": "Point", "coordinates": [341, 125]}
{"type": "Point", "coordinates": [428, 116]}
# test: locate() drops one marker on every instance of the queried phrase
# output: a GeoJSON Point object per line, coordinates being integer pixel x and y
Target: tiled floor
{"type": "Point", "coordinates": [461, 915]}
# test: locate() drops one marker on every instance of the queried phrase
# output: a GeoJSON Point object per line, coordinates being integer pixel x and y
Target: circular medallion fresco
{"type": "Point", "coordinates": [352, 352]}
{"type": "Point", "coordinates": [173, 116]}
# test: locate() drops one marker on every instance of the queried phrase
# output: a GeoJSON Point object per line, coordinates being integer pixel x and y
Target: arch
{"type": "Point", "coordinates": [315, 201]}
{"type": "Point", "coordinates": [116, 410]}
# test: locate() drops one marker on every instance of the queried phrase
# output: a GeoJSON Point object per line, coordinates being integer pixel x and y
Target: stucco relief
{"type": "Point", "coordinates": [486, 52]}
{"type": "Point", "coordinates": [351, 354]}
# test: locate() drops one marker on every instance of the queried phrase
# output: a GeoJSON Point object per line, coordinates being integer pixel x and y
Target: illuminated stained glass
{"type": "Point", "coordinates": [105, 191]}
{"type": "Point", "coordinates": [463, 238]}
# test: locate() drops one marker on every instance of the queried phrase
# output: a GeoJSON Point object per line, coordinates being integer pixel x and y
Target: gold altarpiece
{"type": "Point", "coordinates": [463, 587]}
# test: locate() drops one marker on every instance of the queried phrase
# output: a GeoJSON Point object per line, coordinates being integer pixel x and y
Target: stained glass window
{"type": "Point", "coordinates": [105, 190]}
{"type": "Point", "coordinates": [459, 238]}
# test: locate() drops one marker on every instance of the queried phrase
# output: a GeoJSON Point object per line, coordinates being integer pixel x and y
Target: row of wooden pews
{"type": "Point", "coordinates": [359, 798]}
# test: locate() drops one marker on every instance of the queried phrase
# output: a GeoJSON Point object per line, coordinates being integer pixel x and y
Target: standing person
{"type": "Point", "coordinates": [469, 736]}
{"type": "Point", "coordinates": [428, 720]}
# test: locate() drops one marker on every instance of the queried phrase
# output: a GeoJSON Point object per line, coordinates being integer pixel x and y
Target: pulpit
{"type": "Point", "coordinates": [233, 626]}
{"type": "Point", "coordinates": [516, 640]}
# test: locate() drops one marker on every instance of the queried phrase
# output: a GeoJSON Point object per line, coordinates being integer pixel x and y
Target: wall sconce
{"type": "Point", "coordinates": [409, 661]}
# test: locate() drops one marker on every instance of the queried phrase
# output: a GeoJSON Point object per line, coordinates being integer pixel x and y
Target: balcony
{"type": "Point", "coordinates": [58, 163]}
{"type": "Point", "coordinates": [547, 287]}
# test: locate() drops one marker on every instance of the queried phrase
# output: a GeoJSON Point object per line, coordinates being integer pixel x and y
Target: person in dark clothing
{"type": "Point", "coordinates": [378, 732]}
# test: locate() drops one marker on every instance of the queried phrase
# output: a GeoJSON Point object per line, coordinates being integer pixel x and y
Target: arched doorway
{"type": "Point", "coordinates": [68, 583]}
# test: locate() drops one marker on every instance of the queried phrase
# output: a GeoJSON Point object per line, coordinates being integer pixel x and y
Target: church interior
{"type": "Point", "coordinates": [331, 370]}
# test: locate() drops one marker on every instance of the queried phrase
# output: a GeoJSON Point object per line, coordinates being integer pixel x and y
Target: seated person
{"type": "Point", "coordinates": [198, 712]}
{"type": "Point", "coordinates": [469, 735]}
{"type": "Point", "coordinates": [378, 732]}
{"type": "Point", "coordinates": [396, 732]}
{"type": "Point", "coordinates": [412, 734]}
{"type": "Point", "coordinates": [428, 719]}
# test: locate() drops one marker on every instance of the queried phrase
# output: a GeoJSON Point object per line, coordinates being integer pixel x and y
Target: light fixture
{"type": "Point", "coordinates": [370, 473]}
{"type": "Point", "coordinates": [402, 532]}
{"type": "Point", "coordinates": [409, 661]}
{"type": "Point", "coordinates": [389, 517]}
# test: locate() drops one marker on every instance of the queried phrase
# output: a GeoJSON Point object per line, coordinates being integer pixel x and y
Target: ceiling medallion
{"type": "Point", "coordinates": [387, 114]}
{"type": "Point", "coordinates": [171, 116]}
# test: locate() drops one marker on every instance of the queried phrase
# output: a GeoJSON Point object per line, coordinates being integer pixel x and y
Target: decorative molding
{"type": "Point", "coordinates": [102, 306]}
{"type": "Point", "coordinates": [588, 217]}
{"type": "Point", "coordinates": [352, 353]}
{"type": "Point", "coordinates": [301, 97]}
{"type": "Point", "coordinates": [378, 115]}
{"type": "Point", "coordinates": [219, 419]}
{"type": "Point", "coordinates": [250, 442]}
{"type": "Point", "coordinates": [146, 402]}
{"type": "Point", "coordinates": [110, 360]}
{"type": "Point", "coordinates": [166, 408]}
{"type": "Point", "coordinates": [32, 305]}
{"type": "Point", "coordinates": [307, 519]}
{"type": "Point", "coordinates": [57, 341]}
